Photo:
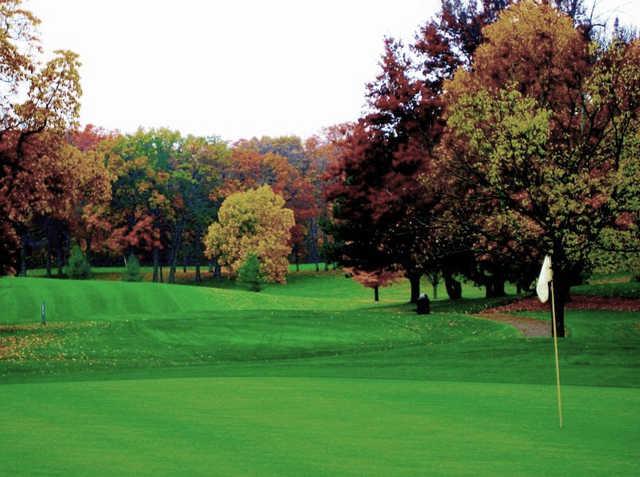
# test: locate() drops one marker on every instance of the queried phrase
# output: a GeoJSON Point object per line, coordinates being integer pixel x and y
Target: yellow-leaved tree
{"type": "Point", "coordinates": [255, 222]}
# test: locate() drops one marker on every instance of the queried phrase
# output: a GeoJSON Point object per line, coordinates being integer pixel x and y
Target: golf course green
{"type": "Point", "coordinates": [308, 378]}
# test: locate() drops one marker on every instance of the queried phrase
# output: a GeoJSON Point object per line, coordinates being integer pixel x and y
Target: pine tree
{"type": "Point", "coordinates": [249, 273]}
{"type": "Point", "coordinates": [132, 271]}
{"type": "Point", "coordinates": [79, 267]}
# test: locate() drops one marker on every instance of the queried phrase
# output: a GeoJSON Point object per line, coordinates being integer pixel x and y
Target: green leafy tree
{"type": "Point", "coordinates": [78, 267]}
{"type": "Point", "coordinates": [249, 273]}
{"type": "Point", "coordinates": [132, 270]}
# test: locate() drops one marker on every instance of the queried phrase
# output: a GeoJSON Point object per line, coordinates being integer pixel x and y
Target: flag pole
{"type": "Point", "coordinates": [555, 347]}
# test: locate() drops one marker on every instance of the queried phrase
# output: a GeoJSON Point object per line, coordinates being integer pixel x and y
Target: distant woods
{"type": "Point", "coordinates": [155, 193]}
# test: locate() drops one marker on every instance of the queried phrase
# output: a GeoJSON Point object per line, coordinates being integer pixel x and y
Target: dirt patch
{"type": "Point", "coordinates": [527, 326]}
{"type": "Point", "coordinates": [578, 302]}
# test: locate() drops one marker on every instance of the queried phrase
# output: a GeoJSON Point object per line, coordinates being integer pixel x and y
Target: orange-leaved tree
{"type": "Point", "coordinates": [36, 99]}
{"type": "Point", "coordinates": [375, 279]}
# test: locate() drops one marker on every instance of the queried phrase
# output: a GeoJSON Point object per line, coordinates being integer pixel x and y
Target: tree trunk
{"type": "Point", "coordinates": [198, 276]}
{"type": "Point", "coordinates": [156, 264]}
{"type": "Point", "coordinates": [217, 272]}
{"type": "Point", "coordinates": [48, 260]}
{"type": "Point", "coordinates": [313, 243]}
{"type": "Point", "coordinates": [23, 257]}
{"type": "Point", "coordinates": [172, 273]}
{"type": "Point", "coordinates": [434, 278]}
{"type": "Point", "coordinates": [297, 258]}
{"type": "Point", "coordinates": [326, 266]}
{"type": "Point", "coordinates": [495, 287]}
{"type": "Point", "coordinates": [60, 258]}
{"type": "Point", "coordinates": [376, 293]}
{"type": "Point", "coordinates": [453, 286]}
{"type": "Point", "coordinates": [160, 277]}
{"type": "Point", "coordinates": [177, 243]}
{"type": "Point", "coordinates": [414, 280]}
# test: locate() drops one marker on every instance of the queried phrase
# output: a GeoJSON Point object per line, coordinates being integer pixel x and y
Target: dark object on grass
{"type": "Point", "coordinates": [423, 305]}
{"type": "Point", "coordinates": [43, 314]}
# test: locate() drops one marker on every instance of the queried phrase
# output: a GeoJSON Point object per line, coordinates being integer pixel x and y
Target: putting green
{"type": "Point", "coordinates": [301, 426]}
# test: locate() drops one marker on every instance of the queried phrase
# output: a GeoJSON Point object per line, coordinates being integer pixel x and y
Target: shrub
{"type": "Point", "coordinates": [249, 273]}
{"type": "Point", "coordinates": [79, 266]}
{"type": "Point", "coordinates": [132, 270]}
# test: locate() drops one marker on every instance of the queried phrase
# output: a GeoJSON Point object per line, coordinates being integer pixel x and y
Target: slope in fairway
{"type": "Point", "coordinates": [87, 300]}
{"type": "Point", "coordinates": [258, 426]}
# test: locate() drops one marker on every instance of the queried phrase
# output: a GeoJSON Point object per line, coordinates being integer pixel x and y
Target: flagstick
{"type": "Point", "coordinates": [555, 347]}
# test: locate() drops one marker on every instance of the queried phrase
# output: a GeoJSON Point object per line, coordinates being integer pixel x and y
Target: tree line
{"type": "Point", "coordinates": [506, 130]}
{"type": "Point", "coordinates": [154, 194]}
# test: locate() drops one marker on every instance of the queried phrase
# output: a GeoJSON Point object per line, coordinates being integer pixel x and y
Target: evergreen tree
{"type": "Point", "coordinates": [132, 271]}
{"type": "Point", "coordinates": [249, 273]}
{"type": "Point", "coordinates": [79, 267]}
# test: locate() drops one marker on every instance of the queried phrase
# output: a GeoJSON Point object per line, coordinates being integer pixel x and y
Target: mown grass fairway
{"type": "Point", "coordinates": [311, 378]}
{"type": "Point", "coordinates": [302, 426]}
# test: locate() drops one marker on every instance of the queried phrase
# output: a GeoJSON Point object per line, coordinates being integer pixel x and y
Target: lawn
{"type": "Point", "coordinates": [311, 378]}
{"type": "Point", "coordinates": [312, 426]}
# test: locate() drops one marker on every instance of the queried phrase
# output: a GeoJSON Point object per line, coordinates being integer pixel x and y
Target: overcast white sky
{"type": "Point", "coordinates": [235, 68]}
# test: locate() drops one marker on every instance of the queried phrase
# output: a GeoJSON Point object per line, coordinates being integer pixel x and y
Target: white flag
{"type": "Point", "coordinates": [546, 275]}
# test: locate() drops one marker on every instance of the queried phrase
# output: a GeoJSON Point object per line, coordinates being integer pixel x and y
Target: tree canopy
{"type": "Point", "coordinates": [252, 222]}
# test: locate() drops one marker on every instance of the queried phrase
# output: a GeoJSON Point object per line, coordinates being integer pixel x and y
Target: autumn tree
{"type": "Point", "coordinates": [321, 153]}
{"type": "Point", "coordinates": [290, 147]}
{"type": "Point", "coordinates": [375, 279]}
{"type": "Point", "coordinates": [196, 171]}
{"type": "Point", "coordinates": [381, 209]}
{"type": "Point", "coordinates": [141, 208]}
{"type": "Point", "coordinates": [252, 222]}
{"type": "Point", "coordinates": [392, 176]}
{"type": "Point", "coordinates": [77, 206]}
{"type": "Point", "coordinates": [249, 168]}
{"type": "Point", "coordinates": [165, 194]}
{"type": "Point", "coordinates": [542, 129]}
{"type": "Point", "coordinates": [36, 99]}
{"type": "Point", "coordinates": [470, 243]}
